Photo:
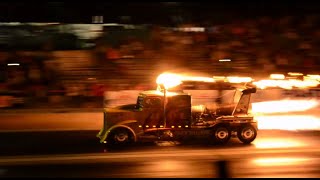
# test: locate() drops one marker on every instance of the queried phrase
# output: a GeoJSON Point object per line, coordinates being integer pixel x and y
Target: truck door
{"type": "Point", "coordinates": [153, 107]}
{"type": "Point", "coordinates": [178, 111]}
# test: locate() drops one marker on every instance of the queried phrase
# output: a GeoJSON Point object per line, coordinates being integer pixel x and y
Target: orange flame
{"type": "Point", "coordinates": [289, 122]}
{"type": "Point", "coordinates": [170, 80]}
{"type": "Point", "coordinates": [235, 79]}
{"type": "Point", "coordinates": [265, 114]}
{"type": "Point", "coordinates": [283, 106]}
{"type": "Point", "coordinates": [277, 76]}
{"type": "Point", "coordinates": [286, 84]}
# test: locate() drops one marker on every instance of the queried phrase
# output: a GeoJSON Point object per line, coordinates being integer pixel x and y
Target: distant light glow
{"type": "Point", "coordinates": [112, 24]}
{"type": "Point", "coordinates": [272, 143]}
{"type": "Point", "coordinates": [224, 60]}
{"type": "Point", "coordinates": [191, 29]}
{"type": "Point", "coordinates": [13, 64]}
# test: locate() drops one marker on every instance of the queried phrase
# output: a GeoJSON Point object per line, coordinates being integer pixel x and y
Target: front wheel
{"type": "Point", "coordinates": [247, 134]}
{"type": "Point", "coordinates": [120, 137]}
{"type": "Point", "coordinates": [222, 134]}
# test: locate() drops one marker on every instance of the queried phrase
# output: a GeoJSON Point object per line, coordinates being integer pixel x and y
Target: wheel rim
{"type": "Point", "coordinates": [121, 137]}
{"type": "Point", "coordinates": [247, 133]}
{"type": "Point", "coordinates": [222, 133]}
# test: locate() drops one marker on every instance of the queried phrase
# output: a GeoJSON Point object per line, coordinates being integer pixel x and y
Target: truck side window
{"type": "Point", "coordinates": [152, 102]}
{"type": "Point", "coordinates": [139, 102]}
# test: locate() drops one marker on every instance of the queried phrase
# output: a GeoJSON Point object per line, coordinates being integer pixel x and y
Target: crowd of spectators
{"type": "Point", "coordinates": [256, 47]}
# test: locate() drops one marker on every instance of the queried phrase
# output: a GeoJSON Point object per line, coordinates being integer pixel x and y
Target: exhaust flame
{"type": "Point", "coordinates": [235, 79]}
{"type": "Point", "coordinates": [277, 76]}
{"type": "Point", "coordinates": [295, 74]}
{"type": "Point", "coordinates": [263, 111]}
{"type": "Point", "coordinates": [283, 106]}
{"type": "Point", "coordinates": [170, 80]}
{"type": "Point", "coordinates": [202, 79]}
{"type": "Point", "coordinates": [286, 84]}
{"type": "Point", "coordinates": [313, 76]}
{"type": "Point", "coordinates": [288, 122]}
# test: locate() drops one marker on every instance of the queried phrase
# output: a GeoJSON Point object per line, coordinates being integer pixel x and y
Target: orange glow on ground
{"type": "Point", "coordinates": [279, 161]}
{"type": "Point", "coordinates": [272, 143]}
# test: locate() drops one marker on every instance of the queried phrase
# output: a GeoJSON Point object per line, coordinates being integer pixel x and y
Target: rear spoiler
{"type": "Point", "coordinates": [250, 90]}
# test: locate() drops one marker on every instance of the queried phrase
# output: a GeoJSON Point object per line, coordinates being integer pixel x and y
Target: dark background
{"type": "Point", "coordinates": [151, 12]}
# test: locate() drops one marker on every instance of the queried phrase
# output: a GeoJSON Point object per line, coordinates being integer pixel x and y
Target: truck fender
{"type": "Point", "coordinates": [122, 124]}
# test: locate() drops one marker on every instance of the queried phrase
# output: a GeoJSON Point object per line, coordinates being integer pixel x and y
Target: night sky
{"type": "Point", "coordinates": [150, 12]}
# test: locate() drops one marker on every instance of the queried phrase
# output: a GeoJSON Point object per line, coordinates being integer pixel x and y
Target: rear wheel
{"type": "Point", "coordinates": [247, 134]}
{"type": "Point", "coordinates": [120, 137]}
{"type": "Point", "coordinates": [222, 134]}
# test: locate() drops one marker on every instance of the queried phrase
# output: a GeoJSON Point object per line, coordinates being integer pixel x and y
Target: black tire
{"type": "Point", "coordinates": [120, 137]}
{"type": "Point", "coordinates": [222, 134]}
{"type": "Point", "coordinates": [247, 134]}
